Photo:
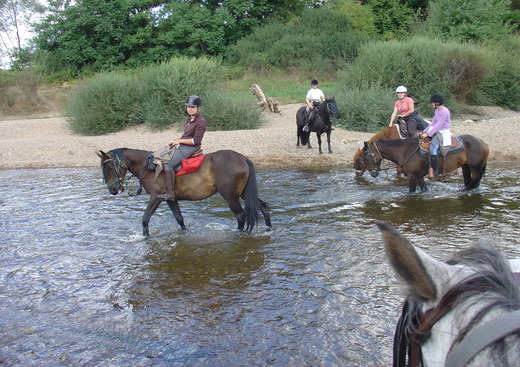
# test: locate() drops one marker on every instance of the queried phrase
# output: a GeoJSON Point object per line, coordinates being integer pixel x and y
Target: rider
{"type": "Point", "coordinates": [186, 145]}
{"type": "Point", "coordinates": [438, 131]}
{"type": "Point", "coordinates": [313, 95]}
{"type": "Point", "coordinates": [404, 108]}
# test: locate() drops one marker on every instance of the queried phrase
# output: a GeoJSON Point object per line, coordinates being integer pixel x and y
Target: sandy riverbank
{"type": "Point", "coordinates": [47, 143]}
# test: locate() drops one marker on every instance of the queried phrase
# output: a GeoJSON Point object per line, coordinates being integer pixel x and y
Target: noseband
{"type": "Point", "coordinates": [376, 162]}
{"type": "Point", "coordinates": [118, 164]}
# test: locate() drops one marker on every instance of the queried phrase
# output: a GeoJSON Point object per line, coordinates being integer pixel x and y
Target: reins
{"type": "Point", "coordinates": [118, 164]}
{"type": "Point", "coordinates": [414, 329]}
{"type": "Point", "coordinates": [400, 165]}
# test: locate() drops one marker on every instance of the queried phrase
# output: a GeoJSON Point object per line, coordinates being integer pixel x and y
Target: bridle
{"type": "Point", "coordinates": [118, 165]}
{"type": "Point", "coordinates": [414, 329]}
{"type": "Point", "coordinates": [376, 162]}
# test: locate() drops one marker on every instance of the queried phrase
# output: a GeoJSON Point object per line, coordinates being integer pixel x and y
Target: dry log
{"type": "Point", "coordinates": [270, 103]}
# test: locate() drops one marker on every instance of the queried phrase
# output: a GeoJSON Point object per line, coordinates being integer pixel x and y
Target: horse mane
{"type": "Point", "coordinates": [493, 282]}
{"type": "Point", "coordinates": [116, 152]}
{"type": "Point", "coordinates": [384, 134]}
{"type": "Point", "coordinates": [397, 142]}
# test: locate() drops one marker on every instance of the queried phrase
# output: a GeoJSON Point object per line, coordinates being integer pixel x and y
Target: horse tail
{"type": "Point", "coordinates": [251, 202]}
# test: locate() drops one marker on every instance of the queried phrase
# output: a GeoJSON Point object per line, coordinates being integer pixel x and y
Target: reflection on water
{"type": "Point", "coordinates": [81, 286]}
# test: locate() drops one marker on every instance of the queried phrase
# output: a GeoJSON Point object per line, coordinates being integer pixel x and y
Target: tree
{"type": "Point", "coordinates": [469, 20]}
{"type": "Point", "coordinates": [15, 19]}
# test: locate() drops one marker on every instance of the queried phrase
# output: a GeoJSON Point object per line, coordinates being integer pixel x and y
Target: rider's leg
{"type": "Point", "coordinates": [306, 119]}
{"type": "Point", "coordinates": [434, 160]}
{"type": "Point", "coordinates": [178, 155]}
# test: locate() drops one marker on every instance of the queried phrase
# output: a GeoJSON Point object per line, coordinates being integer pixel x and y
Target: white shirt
{"type": "Point", "coordinates": [315, 94]}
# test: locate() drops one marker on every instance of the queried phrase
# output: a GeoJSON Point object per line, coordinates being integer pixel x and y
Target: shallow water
{"type": "Point", "coordinates": [80, 285]}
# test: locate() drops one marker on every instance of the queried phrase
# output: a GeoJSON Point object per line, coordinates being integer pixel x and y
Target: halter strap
{"type": "Point", "coordinates": [482, 337]}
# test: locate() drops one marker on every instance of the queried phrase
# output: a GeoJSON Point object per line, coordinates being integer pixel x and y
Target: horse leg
{"type": "Point", "coordinates": [264, 208]}
{"type": "Point", "coordinates": [318, 135]}
{"type": "Point", "coordinates": [176, 210]}
{"type": "Point", "coordinates": [412, 185]}
{"type": "Point", "coordinates": [422, 184]}
{"type": "Point", "coordinates": [240, 214]}
{"type": "Point", "coordinates": [466, 174]}
{"type": "Point", "coordinates": [328, 139]}
{"type": "Point", "coordinates": [153, 204]}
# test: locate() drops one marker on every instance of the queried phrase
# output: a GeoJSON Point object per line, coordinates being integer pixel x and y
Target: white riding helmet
{"type": "Point", "coordinates": [401, 89]}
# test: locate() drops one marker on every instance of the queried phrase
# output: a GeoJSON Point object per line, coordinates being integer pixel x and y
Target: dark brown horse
{"type": "Point", "coordinates": [225, 171]}
{"type": "Point", "coordinates": [319, 123]}
{"type": "Point", "coordinates": [406, 154]}
{"type": "Point", "coordinates": [385, 134]}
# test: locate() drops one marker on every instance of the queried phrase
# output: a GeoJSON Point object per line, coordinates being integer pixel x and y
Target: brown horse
{"type": "Point", "coordinates": [225, 171]}
{"type": "Point", "coordinates": [385, 134]}
{"type": "Point", "coordinates": [406, 154]}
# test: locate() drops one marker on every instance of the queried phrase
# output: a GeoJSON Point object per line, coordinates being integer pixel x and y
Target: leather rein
{"type": "Point", "coordinates": [376, 162]}
{"type": "Point", "coordinates": [414, 329]}
{"type": "Point", "coordinates": [118, 164]}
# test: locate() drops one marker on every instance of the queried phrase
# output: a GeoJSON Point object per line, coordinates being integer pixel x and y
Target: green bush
{"type": "Point", "coordinates": [103, 104]}
{"type": "Point", "coordinates": [166, 87]}
{"type": "Point", "coordinates": [298, 45]}
{"type": "Point", "coordinates": [364, 108]}
{"type": "Point", "coordinates": [223, 113]}
{"type": "Point", "coordinates": [453, 69]}
{"type": "Point", "coordinates": [502, 84]}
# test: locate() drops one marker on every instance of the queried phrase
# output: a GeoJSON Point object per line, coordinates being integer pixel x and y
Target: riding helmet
{"type": "Point", "coordinates": [401, 89]}
{"type": "Point", "coordinates": [437, 98]}
{"type": "Point", "coordinates": [314, 82]}
{"type": "Point", "coordinates": [193, 101]}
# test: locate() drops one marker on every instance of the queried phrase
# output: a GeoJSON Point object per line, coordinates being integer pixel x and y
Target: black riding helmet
{"type": "Point", "coordinates": [437, 98]}
{"type": "Point", "coordinates": [193, 101]}
{"type": "Point", "coordinates": [314, 82]}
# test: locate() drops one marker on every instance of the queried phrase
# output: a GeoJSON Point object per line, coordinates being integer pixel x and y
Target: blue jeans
{"type": "Point", "coordinates": [434, 145]}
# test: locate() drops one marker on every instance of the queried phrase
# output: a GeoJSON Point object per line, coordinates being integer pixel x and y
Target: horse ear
{"type": "Point", "coordinates": [365, 145]}
{"type": "Point", "coordinates": [416, 268]}
{"type": "Point", "coordinates": [102, 155]}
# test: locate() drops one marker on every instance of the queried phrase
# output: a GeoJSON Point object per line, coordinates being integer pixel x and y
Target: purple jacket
{"type": "Point", "coordinates": [441, 121]}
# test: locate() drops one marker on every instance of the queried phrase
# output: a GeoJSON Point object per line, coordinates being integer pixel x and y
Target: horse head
{"type": "Point", "coordinates": [369, 160]}
{"type": "Point", "coordinates": [473, 295]}
{"type": "Point", "coordinates": [332, 107]}
{"type": "Point", "coordinates": [114, 171]}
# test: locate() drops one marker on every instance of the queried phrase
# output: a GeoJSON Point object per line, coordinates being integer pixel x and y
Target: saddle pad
{"type": "Point", "coordinates": [455, 147]}
{"type": "Point", "coordinates": [190, 164]}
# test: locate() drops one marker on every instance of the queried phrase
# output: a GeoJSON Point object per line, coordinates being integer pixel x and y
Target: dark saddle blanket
{"type": "Point", "coordinates": [456, 146]}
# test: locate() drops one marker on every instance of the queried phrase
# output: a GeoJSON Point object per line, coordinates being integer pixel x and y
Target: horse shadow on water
{"type": "Point", "coordinates": [465, 312]}
{"type": "Point", "coordinates": [319, 122]}
{"type": "Point", "coordinates": [229, 173]}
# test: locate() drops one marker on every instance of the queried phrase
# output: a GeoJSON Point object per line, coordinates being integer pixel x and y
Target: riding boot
{"type": "Point", "coordinates": [434, 167]}
{"type": "Point", "coordinates": [169, 177]}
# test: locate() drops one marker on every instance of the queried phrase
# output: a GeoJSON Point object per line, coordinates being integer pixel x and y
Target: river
{"type": "Point", "coordinates": [81, 286]}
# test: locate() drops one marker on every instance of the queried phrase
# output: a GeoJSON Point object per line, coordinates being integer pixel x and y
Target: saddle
{"type": "Point", "coordinates": [190, 164]}
{"type": "Point", "coordinates": [456, 146]}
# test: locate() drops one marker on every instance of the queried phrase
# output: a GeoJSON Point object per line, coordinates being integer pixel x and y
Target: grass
{"type": "Point", "coordinates": [284, 87]}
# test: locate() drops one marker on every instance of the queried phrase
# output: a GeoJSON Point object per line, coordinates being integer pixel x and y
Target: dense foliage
{"type": "Point", "coordinates": [111, 101]}
{"type": "Point", "coordinates": [465, 49]}
{"type": "Point", "coordinates": [299, 44]}
{"type": "Point", "coordinates": [462, 72]}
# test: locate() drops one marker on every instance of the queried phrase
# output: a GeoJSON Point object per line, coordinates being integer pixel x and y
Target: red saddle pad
{"type": "Point", "coordinates": [190, 164]}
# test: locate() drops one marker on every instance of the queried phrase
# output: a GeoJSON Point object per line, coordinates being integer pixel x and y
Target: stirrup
{"type": "Point", "coordinates": [305, 129]}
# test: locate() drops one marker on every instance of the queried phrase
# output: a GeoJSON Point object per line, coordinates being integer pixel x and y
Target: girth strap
{"type": "Point", "coordinates": [482, 337]}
